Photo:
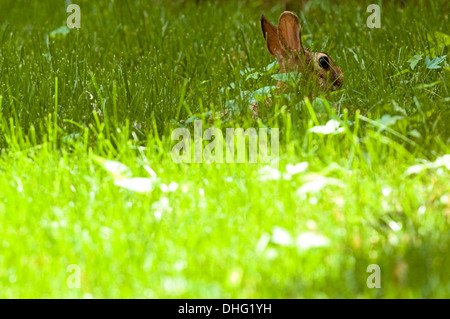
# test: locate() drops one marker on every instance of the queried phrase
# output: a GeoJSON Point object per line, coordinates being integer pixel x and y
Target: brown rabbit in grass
{"type": "Point", "coordinates": [285, 43]}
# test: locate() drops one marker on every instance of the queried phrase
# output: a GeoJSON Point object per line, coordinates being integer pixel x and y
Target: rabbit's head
{"type": "Point", "coordinates": [285, 43]}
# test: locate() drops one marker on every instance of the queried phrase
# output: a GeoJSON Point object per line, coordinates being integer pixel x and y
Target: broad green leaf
{"type": "Point", "coordinates": [414, 60]}
{"type": "Point", "coordinates": [287, 77]}
{"type": "Point", "coordinates": [434, 52]}
{"type": "Point", "coordinates": [246, 71]}
{"type": "Point", "coordinates": [434, 64]}
{"type": "Point", "coordinates": [62, 31]}
{"type": "Point", "coordinates": [264, 91]}
{"type": "Point", "coordinates": [260, 95]}
{"type": "Point", "coordinates": [439, 38]}
{"type": "Point", "coordinates": [320, 105]}
{"type": "Point", "coordinates": [398, 108]}
{"type": "Point", "coordinates": [191, 119]}
{"type": "Point", "coordinates": [415, 133]}
{"type": "Point", "coordinates": [387, 119]}
{"type": "Point", "coordinates": [291, 78]}
{"type": "Point", "coordinates": [271, 67]}
{"type": "Point", "coordinates": [254, 75]}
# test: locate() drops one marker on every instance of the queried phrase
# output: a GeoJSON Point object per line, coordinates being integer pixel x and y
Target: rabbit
{"type": "Point", "coordinates": [285, 43]}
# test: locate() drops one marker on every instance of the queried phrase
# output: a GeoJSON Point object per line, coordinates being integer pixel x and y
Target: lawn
{"type": "Point", "coordinates": [92, 204]}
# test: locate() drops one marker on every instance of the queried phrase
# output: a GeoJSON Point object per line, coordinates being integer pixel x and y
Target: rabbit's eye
{"type": "Point", "coordinates": [324, 63]}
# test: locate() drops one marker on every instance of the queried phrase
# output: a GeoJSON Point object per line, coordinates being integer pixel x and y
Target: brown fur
{"type": "Point", "coordinates": [284, 42]}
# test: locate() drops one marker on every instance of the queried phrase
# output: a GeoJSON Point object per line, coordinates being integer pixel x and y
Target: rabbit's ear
{"type": "Point", "coordinates": [289, 32]}
{"type": "Point", "coordinates": [270, 33]}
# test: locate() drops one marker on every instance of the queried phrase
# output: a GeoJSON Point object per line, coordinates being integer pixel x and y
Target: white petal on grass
{"type": "Point", "coordinates": [173, 186]}
{"type": "Point", "coordinates": [281, 236]}
{"type": "Point", "coordinates": [150, 171]}
{"type": "Point", "coordinates": [422, 210]}
{"type": "Point", "coordinates": [160, 207]}
{"type": "Point", "coordinates": [271, 253]}
{"type": "Point", "coordinates": [415, 169]}
{"type": "Point", "coordinates": [393, 239]}
{"type": "Point", "coordinates": [117, 168]}
{"type": "Point", "coordinates": [105, 232]}
{"type": "Point", "coordinates": [317, 185]}
{"type": "Point", "coordinates": [174, 285]}
{"type": "Point", "coordinates": [262, 242]}
{"type": "Point", "coordinates": [157, 214]}
{"type": "Point", "coordinates": [162, 204]}
{"type": "Point", "coordinates": [395, 226]}
{"type": "Point", "coordinates": [298, 168]}
{"type": "Point", "coordinates": [311, 224]}
{"type": "Point", "coordinates": [180, 265]}
{"type": "Point", "coordinates": [313, 200]}
{"type": "Point", "coordinates": [332, 127]}
{"type": "Point", "coordinates": [386, 191]}
{"type": "Point", "coordinates": [443, 161]}
{"type": "Point", "coordinates": [269, 173]}
{"type": "Point", "coordinates": [235, 277]}
{"type": "Point", "coordinates": [309, 240]}
{"type": "Point", "coordinates": [136, 184]}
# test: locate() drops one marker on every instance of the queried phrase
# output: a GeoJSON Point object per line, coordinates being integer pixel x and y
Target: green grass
{"type": "Point", "coordinates": [137, 70]}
